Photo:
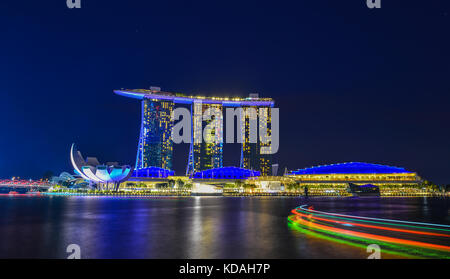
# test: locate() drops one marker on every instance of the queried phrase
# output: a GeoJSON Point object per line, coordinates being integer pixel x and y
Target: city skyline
{"type": "Point", "coordinates": [210, 135]}
{"type": "Point", "coordinates": [357, 96]}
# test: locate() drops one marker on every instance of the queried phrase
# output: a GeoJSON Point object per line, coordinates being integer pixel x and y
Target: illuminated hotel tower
{"type": "Point", "coordinates": [155, 143]}
{"type": "Point", "coordinates": [205, 153]}
{"type": "Point", "coordinates": [251, 156]}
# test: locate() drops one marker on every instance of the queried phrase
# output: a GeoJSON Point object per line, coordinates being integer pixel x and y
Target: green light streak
{"type": "Point", "coordinates": [367, 221]}
{"type": "Point", "coordinates": [299, 228]}
{"type": "Point", "coordinates": [402, 251]}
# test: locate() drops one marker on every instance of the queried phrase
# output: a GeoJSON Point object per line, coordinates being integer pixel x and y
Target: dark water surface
{"type": "Point", "coordinates": [193, 227]}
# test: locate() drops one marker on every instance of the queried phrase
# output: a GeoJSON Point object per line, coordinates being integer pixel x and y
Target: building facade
{"type": "Point", "coordinates": [155, 141]}
{"type": "Point", "coordinates": [206, 151]}
{"type": "Point", "coordinates": [357, 173]}
{"type": "Point", "coordinates": [155, 148]}
{"type": "Point", "coordinates": [257, 155]}
{"type": "Point", "coordinates": [337, 178]}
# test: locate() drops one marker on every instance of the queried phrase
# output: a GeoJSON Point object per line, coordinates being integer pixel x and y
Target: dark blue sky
{"type": "Point", "coordinates": [352, 84]}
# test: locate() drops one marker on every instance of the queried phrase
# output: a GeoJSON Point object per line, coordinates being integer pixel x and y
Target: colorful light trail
{"type": "Point", "coordinates": [417, 240]}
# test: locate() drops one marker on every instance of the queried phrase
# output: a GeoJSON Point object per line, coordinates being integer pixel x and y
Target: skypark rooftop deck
{"type": "Point", "coordinates": [179, 98]}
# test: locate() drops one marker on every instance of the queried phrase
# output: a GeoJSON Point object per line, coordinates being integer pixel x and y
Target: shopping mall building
{"type": "Point", "coordinates": [336, 178]}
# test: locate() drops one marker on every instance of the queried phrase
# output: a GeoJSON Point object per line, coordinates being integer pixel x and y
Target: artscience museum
{"type": "Point", "coordinates": [106, 176]}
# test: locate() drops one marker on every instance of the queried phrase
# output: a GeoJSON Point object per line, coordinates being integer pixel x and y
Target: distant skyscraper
{"type": "Point", "coordinates": [155, 143]}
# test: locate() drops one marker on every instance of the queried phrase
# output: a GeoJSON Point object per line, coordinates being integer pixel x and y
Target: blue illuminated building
{"type": "Point", "coordinates": [155, 146]}
{"type": "Point", "coordinates": [105, 176]}
{"type": "Point", "coordinates": [155, 142]}
{"type": "Point", "coordinates": [355, 172]}
{"type": "Point", "coordinates": [152, 172]}
{"type": "Point", "coordinates": [226, 173]}
{"type": "Point", "coordinates": [350, 168]}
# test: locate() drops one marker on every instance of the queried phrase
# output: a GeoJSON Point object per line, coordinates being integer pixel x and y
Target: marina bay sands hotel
{"type": "Point", "coordinates": [155, 148]}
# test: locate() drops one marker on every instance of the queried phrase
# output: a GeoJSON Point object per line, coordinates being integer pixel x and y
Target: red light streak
{"type": "Point", "coordinates": [367, 235]}
{"type": "Point", "coordinates": [369, 226]}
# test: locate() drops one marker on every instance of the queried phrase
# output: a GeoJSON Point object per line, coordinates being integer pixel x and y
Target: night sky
{"type": "Point", "coordinates": [352, 84]}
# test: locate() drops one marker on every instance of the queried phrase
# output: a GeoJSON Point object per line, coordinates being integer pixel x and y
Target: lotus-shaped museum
{"type": "Point", "coordinates": [104, 175]}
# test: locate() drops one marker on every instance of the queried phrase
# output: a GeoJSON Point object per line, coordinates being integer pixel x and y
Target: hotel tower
{"type": "Point", "coordinates": [155, 147]}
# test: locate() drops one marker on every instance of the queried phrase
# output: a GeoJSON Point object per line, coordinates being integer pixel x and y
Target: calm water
{"type": "Point", "coordinates": [194, 227]}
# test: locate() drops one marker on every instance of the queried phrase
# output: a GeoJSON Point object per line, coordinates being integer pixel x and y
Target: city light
{"type": "Point", "coordinates": [420, 239]}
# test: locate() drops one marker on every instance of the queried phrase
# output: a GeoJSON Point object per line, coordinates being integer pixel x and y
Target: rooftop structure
{"type": "Point", "coordinates": [350, 168]}
{"type": "Point", "coordinates": [179, 98]}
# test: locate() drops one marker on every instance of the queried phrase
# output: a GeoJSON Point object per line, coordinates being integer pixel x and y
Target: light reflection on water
{"type": "Point", "coordinates": [189, 227]}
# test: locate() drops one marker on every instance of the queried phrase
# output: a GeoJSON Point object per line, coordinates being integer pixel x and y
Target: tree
{"type": "Point", "coordinates": [180, 183]}
{"type": "Point", "coordinates": [171, 183]}
{"type": "Point", "coordinates": [187, 186]}
{"type": "Point", "coordinates": [238, 183]}
{"type": "Point", "coordinates": [431, 186]}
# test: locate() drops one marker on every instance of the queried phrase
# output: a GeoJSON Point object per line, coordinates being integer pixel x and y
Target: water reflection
{"type": "Point", "coordinates": [190, 227]}
{"type": "Point", "coordinates": [397, 237]}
